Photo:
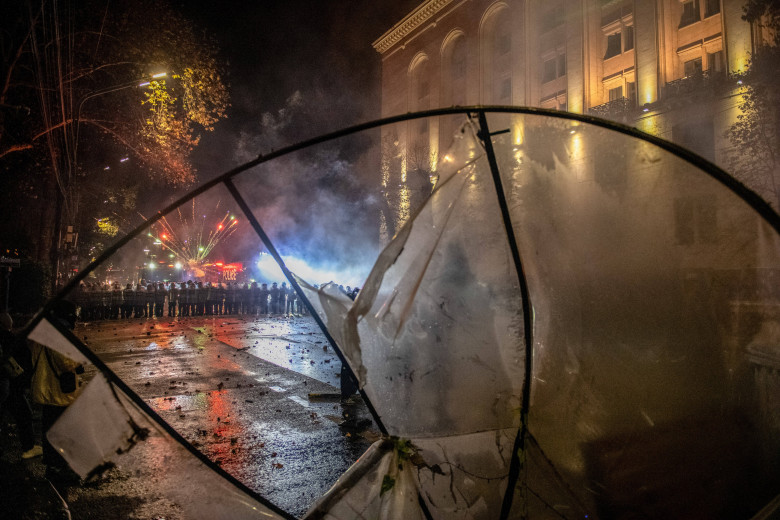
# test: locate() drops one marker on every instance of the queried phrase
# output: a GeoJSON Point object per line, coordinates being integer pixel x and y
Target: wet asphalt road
{"type": "Point", "coordinates": [257, 396]}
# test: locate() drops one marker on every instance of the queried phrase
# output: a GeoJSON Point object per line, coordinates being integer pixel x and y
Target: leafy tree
{"type": "Point", "coordinates": [77, 88]}
{"type": "Point", "coordinates": [755, 135]}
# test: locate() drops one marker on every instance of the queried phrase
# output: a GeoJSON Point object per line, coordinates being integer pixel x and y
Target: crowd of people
{"type": "Point", "coordinates": [103, 301]}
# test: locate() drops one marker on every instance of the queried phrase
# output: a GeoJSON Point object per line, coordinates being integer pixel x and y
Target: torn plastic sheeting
{"type": "Point", "coordinates": [47, 335]}
{"type": "Point", "coordinates": [438, 322]}
{"type": "Point", "coordinates": [101, 425]}
{"type": "Point", "coordinates": [341, 315]}
{"type": "Point", "coordinates": [380, 485]}
{"type": "Point", "coordinates": [104, 427]}
{"type": "Point", "coordinates": [458, 477]}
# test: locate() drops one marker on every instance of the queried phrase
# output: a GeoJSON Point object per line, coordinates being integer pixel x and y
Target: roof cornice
{"type": "Point", "coordinates": [412, 21]}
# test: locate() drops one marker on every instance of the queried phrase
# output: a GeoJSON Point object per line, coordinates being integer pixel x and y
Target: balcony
{"type": "Point", "coordinates": [616, 109]}
{"type": "Point", "coordinates": [706, 81]}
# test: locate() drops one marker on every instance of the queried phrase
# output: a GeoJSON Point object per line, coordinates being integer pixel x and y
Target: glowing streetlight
{"type": "Point", "coordinates": [154, 76]}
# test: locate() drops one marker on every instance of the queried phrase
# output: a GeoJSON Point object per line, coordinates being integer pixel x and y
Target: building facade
{"type": "Point", "coordinates": [662, 66]}
{"type": "Point", "coordinates": [667, 67]}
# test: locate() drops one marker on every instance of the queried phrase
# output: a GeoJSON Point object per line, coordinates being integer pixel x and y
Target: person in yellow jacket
{"type": "Point", "coordinates": [55, 385]}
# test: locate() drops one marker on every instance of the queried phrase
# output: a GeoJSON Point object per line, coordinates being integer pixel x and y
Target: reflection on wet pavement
{"type": "Point", "coordinates": [238, 390]}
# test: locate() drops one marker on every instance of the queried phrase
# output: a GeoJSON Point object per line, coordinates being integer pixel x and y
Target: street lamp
{"type": "Point", "coordinates": [154, 76]}
{"type": "Point", "coordinates": [108, 90]}
{"type": "Point", "coordinates": [73, 163]}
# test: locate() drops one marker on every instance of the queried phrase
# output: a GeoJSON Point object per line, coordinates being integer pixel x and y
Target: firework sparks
{"type": "Point", "coordinates": [191, 238]}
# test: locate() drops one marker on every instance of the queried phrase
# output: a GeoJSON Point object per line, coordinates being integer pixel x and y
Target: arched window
{"type": "Point", "coordinates": [454, 83]}
{"type": "Point", "coordinates": [419, 98]}
{"type": "Point", "coordinates": [496, 42]}
{"type": "Point", "coordinates": [454, 70]}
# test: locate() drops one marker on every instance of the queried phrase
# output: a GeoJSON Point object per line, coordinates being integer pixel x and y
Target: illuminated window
{"type": "Point", "coordinates": [711, 7]}
{"type": "Point", "coordinates": [690, 12]}
{"type": "Point", "coordinates": [692, 67]}
{"type": "Point", "coordinates": [615, 93]}
{"type": "Point", "coordinates": [613, 45]}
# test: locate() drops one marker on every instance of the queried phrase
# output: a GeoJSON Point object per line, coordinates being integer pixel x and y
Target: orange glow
{"type": "Point", "coordinates": [164, 236]}
{"type": "Point", "coordinates": [219, 264]}
{"type": "Point", "coordinates": [219, 227]}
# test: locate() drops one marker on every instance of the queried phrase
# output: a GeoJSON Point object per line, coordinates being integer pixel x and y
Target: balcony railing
{"type": "Point", "coordinates": [704, 81]}
{"type": "Point", "coordinates": [613, 109]}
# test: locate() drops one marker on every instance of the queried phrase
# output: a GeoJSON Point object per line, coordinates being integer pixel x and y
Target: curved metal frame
{"type": "Point", "coordinates": [750, 197]}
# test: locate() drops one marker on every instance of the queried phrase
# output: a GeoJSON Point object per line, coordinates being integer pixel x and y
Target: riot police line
{"type": "Point", "coordinates": [104, 301]}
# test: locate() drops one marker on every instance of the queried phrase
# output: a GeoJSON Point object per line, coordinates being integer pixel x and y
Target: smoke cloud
{"type": "Point", "coordinates": [318, 205]}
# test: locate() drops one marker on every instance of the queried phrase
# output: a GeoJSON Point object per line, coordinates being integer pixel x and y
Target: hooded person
{"type": "Point", "coordinates": [55, 385]}
{"type": "Point", "coordinates": [14, 381]}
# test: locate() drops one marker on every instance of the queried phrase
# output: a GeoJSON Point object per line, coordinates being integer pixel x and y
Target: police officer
{"type": "Point", "coordinates": [263, 298]}
{"type": "Point", "coordinates": [173, 299]}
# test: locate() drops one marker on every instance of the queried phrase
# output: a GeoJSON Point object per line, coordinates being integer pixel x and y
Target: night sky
{"type": "Point", "coordinates": [273, 49]}
{"type": "Point", "coordinates": [319, 54]}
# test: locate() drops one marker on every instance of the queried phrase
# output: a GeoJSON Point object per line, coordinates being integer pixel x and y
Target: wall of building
{"type": "Point", "coordinates": [659, 65]}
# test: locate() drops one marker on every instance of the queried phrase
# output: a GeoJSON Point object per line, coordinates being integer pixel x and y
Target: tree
{"type": "Point", "coordinates": [73, 93]}
{"type": "Point", "coordinates": [755, 136]}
